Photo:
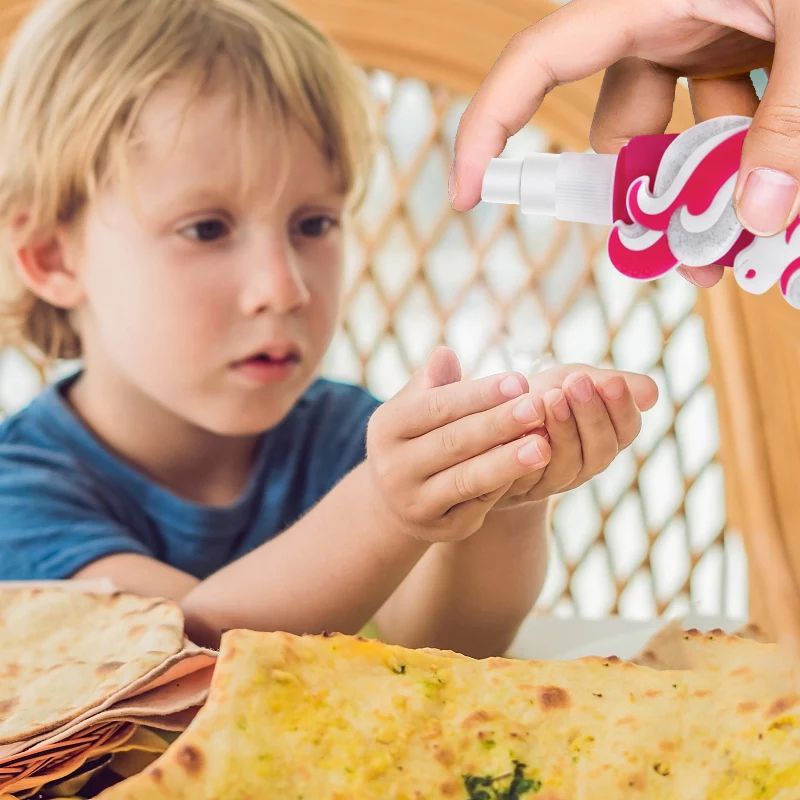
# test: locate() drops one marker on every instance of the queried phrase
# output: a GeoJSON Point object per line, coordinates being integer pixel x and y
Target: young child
{"type": "Point", "coordinates": [174, 179]}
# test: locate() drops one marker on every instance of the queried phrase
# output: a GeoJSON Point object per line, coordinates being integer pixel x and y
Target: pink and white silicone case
{"type": "Point", "coordinates": [673, 204]}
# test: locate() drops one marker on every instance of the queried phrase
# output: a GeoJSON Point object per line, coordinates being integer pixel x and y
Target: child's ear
{"type": "Point", "coordinates": [44, 265]}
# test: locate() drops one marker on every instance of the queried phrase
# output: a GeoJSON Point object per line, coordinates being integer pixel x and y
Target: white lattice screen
{"type": "Point", "coordinates": [647, 537]}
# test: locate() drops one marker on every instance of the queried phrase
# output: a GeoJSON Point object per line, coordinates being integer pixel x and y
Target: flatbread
{"type": "Point", "coordinates": [65, 652]}
{"type": "Point", "coordinates": [339, 718]}
{"type": "Point", "coordinates": [675, 648]}
{"type": "Point", "coordinates": [84, 669]}
{"type": "Point", "coordinates": [61, 764]}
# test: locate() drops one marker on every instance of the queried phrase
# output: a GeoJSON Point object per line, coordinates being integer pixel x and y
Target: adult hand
{"type": "Point", "coordinates": [645, 47]}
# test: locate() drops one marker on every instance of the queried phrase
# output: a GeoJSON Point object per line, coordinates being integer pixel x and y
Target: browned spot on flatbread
{"type": "Point", "coordinates": [653, 693]}
{"type": "Point", "coordinates": [11, 671]}
{"type": "Point", "coordinates": [739, 671]}
{"type": "Point", "coordinates": [136, 630]}
{"type": "Point", "coordinates": [108, 667]}
{"type": "Point", "coordinates": [498, 663]}
{"type": "Point", "coordinates": [702, 693]}
{"type": "Point", "coordinates": [433, 730]}
{"type": "Point", "coordinates": [449, 788]}
{"type": "Point", "coordinates": [552, 697]}
{"type": "Point", "coordinates": [444, 756]}
{"type": "Point", "coordinates": [7, 706]}
{"type": "Point", "coordinates": [476, 718]}
{"type": "Point", "coordinates": [156, 774]}
{"type": "Point", "coordinates": [782, 704]}
{"type": "Point", "coordinates": [747, 705]}
{"type": "Point", "coordinates": [626, 720]}
{"type": "Point", "coordinates": [190, 758]}
{"type": "Point", "coordinates": [636, 782]}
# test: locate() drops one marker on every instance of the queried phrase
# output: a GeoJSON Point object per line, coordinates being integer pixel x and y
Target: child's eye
{"type": "Point", "coordinates": [207, 230]}
{"type": "Point", "coordinates": [316, 226]}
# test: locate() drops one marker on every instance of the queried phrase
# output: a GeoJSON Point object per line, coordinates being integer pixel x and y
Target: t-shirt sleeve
{"type": "Point", "coordinates": [341, 438]}
{"type": "Point", "coordinates": [53, 517]}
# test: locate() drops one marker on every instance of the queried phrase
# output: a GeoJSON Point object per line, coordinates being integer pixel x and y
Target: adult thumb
{"type": "Point", "coordinates": [768, 188]}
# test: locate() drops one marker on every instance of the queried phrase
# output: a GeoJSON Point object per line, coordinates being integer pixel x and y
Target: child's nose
{"type": "Point", "coordinates": [274, 283]}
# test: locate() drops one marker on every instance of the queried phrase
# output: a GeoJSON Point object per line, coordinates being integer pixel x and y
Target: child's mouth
{"type": "Point", "coordinates": [265, 368]}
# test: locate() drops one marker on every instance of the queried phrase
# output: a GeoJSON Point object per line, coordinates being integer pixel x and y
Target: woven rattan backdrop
{"type": "Point", "coordinates": [647, 537]}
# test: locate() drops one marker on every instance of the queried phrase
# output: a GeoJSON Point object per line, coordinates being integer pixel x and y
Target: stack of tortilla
{"type": "Point", "coordinates": [84, 677]}
{"type": "Point", "coordinates": [339, 718]}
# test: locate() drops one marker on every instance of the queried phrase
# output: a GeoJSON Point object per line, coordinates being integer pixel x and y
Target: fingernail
{"type": "Point", "coordinates": [452, 184]}
{"type": "Point", "coordinates": [560, 408]}
{"type": "Point", "coordinates": [582, 389]}
{"type": "Point", "coordinates": [613, 389]}
{"type": "Point", "coordinates": [530, 454]}
{"type": "Point", "coordinates": [526, 411]}
{"type": "Point", "coordinates": [767, 201]}
{"type": "Point", "coordinates": [511, 387]}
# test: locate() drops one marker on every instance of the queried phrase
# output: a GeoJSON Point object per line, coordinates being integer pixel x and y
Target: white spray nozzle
{"type": "Point", "coordinates": [576, 187]}
{"type": "Point", "coordinates": [501, 183]}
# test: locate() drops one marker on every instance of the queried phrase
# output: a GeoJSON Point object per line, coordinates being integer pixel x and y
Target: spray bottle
{"type": "Point", "coordinates": [669, 199]}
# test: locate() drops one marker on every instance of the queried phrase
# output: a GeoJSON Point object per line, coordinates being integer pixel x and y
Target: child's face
{"type": "Point", "coordinates": [215, 294]}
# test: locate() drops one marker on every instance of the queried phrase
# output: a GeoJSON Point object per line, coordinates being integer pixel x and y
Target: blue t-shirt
{"type": "Point", "coordinates": [66, 500]}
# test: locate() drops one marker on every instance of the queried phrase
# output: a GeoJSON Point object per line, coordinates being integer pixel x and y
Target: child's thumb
{"type": "Point", "coordinates": [441, 368]}
{"type": "Point", "coordinates": [768, 189]}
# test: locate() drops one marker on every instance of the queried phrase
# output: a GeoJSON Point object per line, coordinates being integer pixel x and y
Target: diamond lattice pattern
{"type": "Point", "coordinates": [647, 537]}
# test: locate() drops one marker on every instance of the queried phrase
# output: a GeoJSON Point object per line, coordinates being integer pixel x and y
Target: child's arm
{"type": "Point", "coordinates": [334, 568]}
{"type": "Point", "coordinates": [471, 596]}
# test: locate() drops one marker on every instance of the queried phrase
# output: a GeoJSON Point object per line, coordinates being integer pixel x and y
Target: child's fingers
{"type": "Point", "coordinates": [567, 459]}
{"type": "Point", "coordinates": [622, 410]}
{"type": "Point", "coordinates": [565, 445]}
{"type": "Point", "coordinates": [469, 516]}
{"type": "Point", "coordinates": [477, 433]}
{"type": "Point", "coordinates": [484, 474]}
{"type": "Point", "coordinates": [597, 434]}
{"type": "Point", "coordinates": [643, 388]}
{"type": "Point", "coordinates": [421, 411]}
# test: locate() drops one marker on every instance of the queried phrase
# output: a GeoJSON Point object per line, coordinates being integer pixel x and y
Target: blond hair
{"type": "Point", "coordinates": [78, 74]}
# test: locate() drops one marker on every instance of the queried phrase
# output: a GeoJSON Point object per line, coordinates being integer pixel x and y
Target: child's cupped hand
{"type": "Point", "coordinates": [591, 415]}
{"type": "Point", "coordinates": [444, 452]}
